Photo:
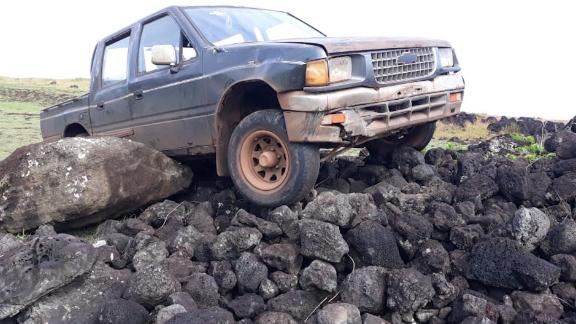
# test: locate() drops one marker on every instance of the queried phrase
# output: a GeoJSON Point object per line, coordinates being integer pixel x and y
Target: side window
{"type": "Point", "coordinates": [115, 63]}
{"type": "Point", "coordinates": [188, 51]}
{"type": "Point", "coordinates": [162, 31]}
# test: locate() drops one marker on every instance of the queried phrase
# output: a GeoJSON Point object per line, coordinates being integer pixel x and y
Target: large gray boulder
{"type": "Point", "coordinates": [39, 267]}
{"type": "Point", "coordinates": [78, 181]}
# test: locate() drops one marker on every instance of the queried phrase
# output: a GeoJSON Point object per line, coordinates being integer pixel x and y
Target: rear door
{"type": "Point", "coordinates": [169, 103]}
{"type": "Point", "coordinates": [110, 106]}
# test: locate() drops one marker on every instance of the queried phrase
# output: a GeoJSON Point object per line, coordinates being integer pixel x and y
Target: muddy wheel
{"type": "Point", "coordinates": [417, 137]}
{"type": "Point", "coordinates": [266, 168]}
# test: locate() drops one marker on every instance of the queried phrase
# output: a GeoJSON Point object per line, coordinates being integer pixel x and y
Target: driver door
{"type": "Point", "coordinates": [168, 104]}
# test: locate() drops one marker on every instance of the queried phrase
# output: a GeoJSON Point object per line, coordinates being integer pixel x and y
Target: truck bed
{"type": "Point", "coordinates": [55, 118]}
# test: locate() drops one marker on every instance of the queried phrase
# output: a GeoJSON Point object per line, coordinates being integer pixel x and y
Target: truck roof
{"type": "Point", "coordinates": [173, 8]}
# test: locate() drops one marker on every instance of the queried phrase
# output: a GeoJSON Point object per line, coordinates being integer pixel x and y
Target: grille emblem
{"type": "Point", "coordinates": [407, 58]}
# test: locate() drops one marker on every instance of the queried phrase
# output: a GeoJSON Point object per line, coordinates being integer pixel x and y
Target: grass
{"type": "Point", "coordinates": [528, 149]}
{"type": "Point", "coordinates": [68, 86]}
{"type": "Point", "coordinates": [523, 138]}
{"type": "Point", "coordinates": [472, 132]}
{"type": "Point", "coordinates": [532, 151]}
{"type": "Point", "coordinates": [88, 233]}
{"type": "Point", "coordinates": [20, 103]}
{"type": "Point", "coordinates": [445, 135]}
{"type": "Point", "coordinates": [446, 144]}
{"type": "Point", "coordinates": [19, 125]}
{"type": "Point", "coordinates": [15, 107]}
{"type": "Point", "coordinates": [21, 236]}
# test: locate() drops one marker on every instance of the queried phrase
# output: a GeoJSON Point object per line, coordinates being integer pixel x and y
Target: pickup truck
{"type": "Point", "coordinates": [261, 92]}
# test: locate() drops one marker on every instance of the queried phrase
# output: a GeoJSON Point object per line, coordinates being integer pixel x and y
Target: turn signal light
{"type": "Point", "coordinates": [338, 118]}
{"type": "Point", "coordinates": [331, 119]}
{"type": "Point", "coordinates": [455, 97]}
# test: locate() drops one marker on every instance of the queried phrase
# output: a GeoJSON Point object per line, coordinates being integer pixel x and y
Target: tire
{"type": "Point", "coordinates": [417, 137]}
{"type": "Point", "coordinates": [265, 166]}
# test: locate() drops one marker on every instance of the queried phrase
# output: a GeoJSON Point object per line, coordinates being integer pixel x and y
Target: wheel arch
{"type": "Point", "coordinates": [74, 129]}
{"type": "Point", "coordinates": [239, 100]}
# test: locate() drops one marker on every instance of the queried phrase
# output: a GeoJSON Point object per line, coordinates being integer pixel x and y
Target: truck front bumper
{"type": "Point", "coordinates": [340, 116]}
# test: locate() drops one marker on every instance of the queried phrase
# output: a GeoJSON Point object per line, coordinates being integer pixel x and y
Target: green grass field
{"type": "Point", "coordinates": [20, 103]}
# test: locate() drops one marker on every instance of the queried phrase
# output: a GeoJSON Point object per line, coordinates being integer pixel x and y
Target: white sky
{"type": "Point", "coordinates": [518, 57]}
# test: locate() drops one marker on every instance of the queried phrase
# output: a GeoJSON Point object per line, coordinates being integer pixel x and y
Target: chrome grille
{"type": "Point", "coordinates": [387, 69]}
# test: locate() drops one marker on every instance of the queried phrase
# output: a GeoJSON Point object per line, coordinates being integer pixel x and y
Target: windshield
{"type": "Point", "coordinates": [225, 26]}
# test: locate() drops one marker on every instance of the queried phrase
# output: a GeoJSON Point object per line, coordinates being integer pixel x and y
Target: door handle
{"type": "Point", "coordinates": [138, 94]}
{"type": "Point", "coordinates": [100, 106]}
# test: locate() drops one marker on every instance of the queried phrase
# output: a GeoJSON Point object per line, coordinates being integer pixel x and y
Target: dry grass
{"type": "Point", "coordinates": [472, 132]}
{"type": "Point", "coordinates": [69, 86]}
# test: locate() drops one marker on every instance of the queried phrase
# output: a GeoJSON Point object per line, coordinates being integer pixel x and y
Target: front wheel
{"type": "Point", "coordinates": [265, 166]}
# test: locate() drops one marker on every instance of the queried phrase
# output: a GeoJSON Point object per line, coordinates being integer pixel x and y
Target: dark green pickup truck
{"type": "Point", "coordinates": [260, 92]}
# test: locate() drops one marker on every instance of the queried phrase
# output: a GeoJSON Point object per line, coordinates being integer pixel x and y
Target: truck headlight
{"type": "Point", "coordinates": [317, 73]}
{"type": "Point", "coordinates": [340, 69]}
{"type": "Point", "coordinates": [323, 72]}
{"type": "Point", "coordinates": [446, 57]}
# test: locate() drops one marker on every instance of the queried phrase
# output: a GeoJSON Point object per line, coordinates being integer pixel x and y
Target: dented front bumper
{"type": "Point", "coordinates": [340, 116]}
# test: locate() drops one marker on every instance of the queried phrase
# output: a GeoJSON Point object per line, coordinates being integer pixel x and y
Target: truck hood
{"type": "Point", "coordinates": [334, 45]}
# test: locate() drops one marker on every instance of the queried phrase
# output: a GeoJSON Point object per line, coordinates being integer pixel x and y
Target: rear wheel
{"type": "Point", "coordinates": [265, 166]}
{"type": "Point", "coordinates": [417, 137]}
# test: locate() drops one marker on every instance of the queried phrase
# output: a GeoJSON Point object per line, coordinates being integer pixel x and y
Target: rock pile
{"type": "Point", "coordinates": [461, 119]}
{"type": "Point", "coordinates": [526, 126]}
{"type": "Point", "coordinates": [523, 125]}
{"type": "Point", "coordinates": [445, 237]}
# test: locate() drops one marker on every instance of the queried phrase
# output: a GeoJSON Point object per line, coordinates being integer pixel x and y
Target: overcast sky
{"type": "Point", "coordinates": [517, 56]}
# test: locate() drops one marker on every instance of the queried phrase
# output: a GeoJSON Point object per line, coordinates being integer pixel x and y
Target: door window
{"type": "Point", "coordinates": [115, 63]}
{"type": "Point", "coordinates": [162, 31]}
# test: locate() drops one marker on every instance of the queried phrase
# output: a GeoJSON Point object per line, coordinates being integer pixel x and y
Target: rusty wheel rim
{"type": "Point", "coordinates": [264, 160]}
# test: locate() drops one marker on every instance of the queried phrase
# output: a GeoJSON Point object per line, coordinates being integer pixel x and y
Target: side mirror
{"type": "Point", "coordinates": [164, 55]}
